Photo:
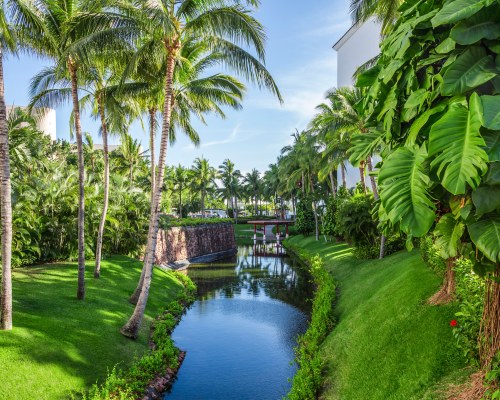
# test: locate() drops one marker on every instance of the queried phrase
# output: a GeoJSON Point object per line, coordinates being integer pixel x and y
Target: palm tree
{"type": "Point", "coordinates": [254, 186]}
{"type": "Point", "coordinates": [222, 27]}
{"type": "Point", "coordinates": [129, 156]}
{"type": "Point", "coordinates": [23, 20]}
{"type": "Point", "coordinates": [386, 11]}
{"type": "Point", "coordinates": [73, 33]}
{"type": "Point", "coordinates": [230, 178]}
{"type": "Point", "coordinates": [180, 180]}
{"type": "Point", "coordinates": [203, 179]}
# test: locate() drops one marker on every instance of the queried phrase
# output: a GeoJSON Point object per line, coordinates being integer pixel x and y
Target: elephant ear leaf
{"type": "Point", "coordinates": [455, 142]}
{"type": "Point", "coordinates": [483, 25]}
{"type": "Point", "coordinates": [470, 70]}
{"type": "Point", "coordinates": [491, 108]}
{"type": "Point", "coordinates": [448, 233]}
{"type": "Point", "coordinates": [485, 234]}
{"type": "Point", "coordinates": [403, 184]}
{"type": "Point", "coordinates": [457, 10]}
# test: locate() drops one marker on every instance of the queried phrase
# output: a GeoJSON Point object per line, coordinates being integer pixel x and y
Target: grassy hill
{"type": "Point", "coordinates": [60, 344]}
{"type": "Point", "coordinates": [388, 343]}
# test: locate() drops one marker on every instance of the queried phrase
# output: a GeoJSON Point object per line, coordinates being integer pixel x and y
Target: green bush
{"type": "Point", "coordinates": [169, 222]}
{"type": "Point", "coordinates": [430, 255]}
{"type": "Point", "coordinates": [308, 379]}
{"type": "Point", "coordinates": [304, 222]}
{"type": "Point", "coordinates": [470, 294]}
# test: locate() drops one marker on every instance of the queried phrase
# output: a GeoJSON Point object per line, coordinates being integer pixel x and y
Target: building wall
{"type": "Point", "coordinates": [359, 45]}
{"type": "Point", "coordinates": [46, 123]}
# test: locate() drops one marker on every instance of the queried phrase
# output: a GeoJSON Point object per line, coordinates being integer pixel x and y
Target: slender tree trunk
{"type": "Point", "coordinates": [180, 202]}
{"type": "Point", "coordinates": [100, 233]}
{"type": "Point", "coordinates": [489, 333]}
{"type": "Point", "coordinates": [372, 178]}
{"type": "Point", "coordinates": [303, 184]}
{"type": "Point", "coordinates": [342, 172]}
{"type": "Point", "coordinates": [6, 211]}
{"type": "Point", "coordinates": [152, 134]}
{"type": "Point", "coordinates": [376, 197]}
{"type": "Point", "coordinates": [362, 176]}
{"type": "Point", "coordinates": [81, 183]}
{"type": "Point", "coordinates": [316, 223]}
{"type": "Point", "coordinates": [202, 204]}
{"type": "Point", "coordinates": [332, 184]}
{"type": "Point", "coordinates": [131, 328]}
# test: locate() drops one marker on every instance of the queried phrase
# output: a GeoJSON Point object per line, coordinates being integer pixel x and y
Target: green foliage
{"type": "Point", "coordinates": [435, 86]}
{"type": "Point", "coordinates": [430, 254]}
{"type": "Point", "coordinates": [168, 222]}
{"type": "Point", "coordinates": [304, 222]}
{"type": "Point", "coordinates": [470, 289]}
{"type": "Point", "coordinates": [354, 221]}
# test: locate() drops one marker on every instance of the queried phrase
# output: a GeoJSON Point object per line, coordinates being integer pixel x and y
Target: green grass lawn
{"type": "Point", "coordinates": [61, 345]}
{"type": "Point", "coordinates": [387, 343]}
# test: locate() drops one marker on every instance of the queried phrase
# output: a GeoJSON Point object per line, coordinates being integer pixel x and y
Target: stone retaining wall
{"type": "Point", "coordinates": [185, 243]}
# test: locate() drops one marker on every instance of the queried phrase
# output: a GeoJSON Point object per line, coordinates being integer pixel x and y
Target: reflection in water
{"type": "Point", "coordinates": [240, 334]}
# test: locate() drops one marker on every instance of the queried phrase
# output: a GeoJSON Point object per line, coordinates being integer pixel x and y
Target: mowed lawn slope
{"type": "Point", "coordinates": [61, 345]}
{"type": "Point", "coordinates": [388, 343]}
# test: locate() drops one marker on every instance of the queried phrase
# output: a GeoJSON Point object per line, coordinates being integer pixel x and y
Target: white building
{"type": "Point", "coordinates": [46, 120]}
{"type": "Point", "coordinates": [357, 46]}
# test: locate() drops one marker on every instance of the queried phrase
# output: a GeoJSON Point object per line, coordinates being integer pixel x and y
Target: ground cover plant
{"type": "Point", "coordinates": [63, 346]}
{"type": "Point", "coordinates": [386, 338]}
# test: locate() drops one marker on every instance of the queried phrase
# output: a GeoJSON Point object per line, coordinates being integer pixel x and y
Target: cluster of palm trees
{"type": "Point", "coordinates": [191, 189]}
{"type": "Point", "coordinates": [158, 58]}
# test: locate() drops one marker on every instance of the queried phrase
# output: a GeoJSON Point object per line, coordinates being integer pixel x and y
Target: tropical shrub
{"type": "Point", "coordinates": [469, 293]}
{"type": "Point", "coordinates": [433, 99]}
{"type": "Point", "coordinates": [431, 256]}
{"type": "Point", "coordinates": [304, 222]}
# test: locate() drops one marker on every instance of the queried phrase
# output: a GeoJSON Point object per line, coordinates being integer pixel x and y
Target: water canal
{"type": "Point", "coordinates": [240, 333]}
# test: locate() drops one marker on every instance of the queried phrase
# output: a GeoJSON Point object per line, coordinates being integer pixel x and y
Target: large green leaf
{"type": "Point", "coordinates": [493, 175]}
{"type": "Point", "coordinates": [483, 25]}
{"type": "Point", "coordinates": [471, 69]}
{"type": "Point", "coordinates": [448, 232]}
{"type": "Point", "coordinates": [403, 183]}
{"type": "Point", "coordinates": [420, 122]}
{"type": "Point", "coordinates": [491, 112]}
{"type": "Point", "coordinates": [457, 10]}
{"type": "Point", "coordinates": [364, 145]}
{"type": "Point", "coordinates": [486, 199]}
{"type": "Point", "coordinates": [485, 234]}
{"type": "Point", "coordinates": [492, 140]}
{"type": "Point", "coordinates": [455, 142]}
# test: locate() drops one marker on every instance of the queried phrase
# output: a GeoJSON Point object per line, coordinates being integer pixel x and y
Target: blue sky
{"type": "Point", "coordinates": [301, 59]}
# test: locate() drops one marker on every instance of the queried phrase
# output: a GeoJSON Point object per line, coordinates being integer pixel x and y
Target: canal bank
{"type": "Point", "coordinates": [387, 341]}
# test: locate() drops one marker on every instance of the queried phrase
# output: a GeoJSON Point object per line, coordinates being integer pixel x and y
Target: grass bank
{"type": "Point", "coordinates": [61, 345]}
{"type": "Point", "coordinates": [387, 343]}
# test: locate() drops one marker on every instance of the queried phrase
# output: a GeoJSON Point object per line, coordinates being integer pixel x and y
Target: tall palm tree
{"type": "Point", "coordinates": [74, 31]}
{"type": "Point", "coordinates": [24, 20]}
{"type": "Point", "coordinates": [180, 180]}
{"type": "Point", "coordinates": [203, 179]}
{"type": "Point", "coordinates": [222, 26]}
{"type": "Point", "coordinates": [230, 177]}
{"type": "Point", "coordinates": [254, 186]}
{"type": "Point", "coordinates": [129, 156]}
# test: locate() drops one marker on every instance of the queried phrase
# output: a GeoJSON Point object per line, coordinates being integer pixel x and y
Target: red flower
{"type": "Point", "coordinates": [453, 322]}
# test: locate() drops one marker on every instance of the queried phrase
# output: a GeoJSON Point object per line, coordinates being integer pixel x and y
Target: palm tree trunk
{"type": "Point", "coordinates": [376, 197]}
{"type": "Point", "coordinates": [180, 202]}
{"type": "Point", "coordinates": [131, 328]}
{"type": "Point", "coordinates": [342, 172]}
{"type": "Point", "coordinates": [316, 224]}
{"type": "Point", "coordinates": [6, 211]}
{"type": "Point", "coordinates": [152, 134]}
{"type": "Point", "coordinates": [100, 232]}
{"type": "Point", "coordinates": [202, 204]}
{"type": "Point", "coordinates": [362, 176]}
{"type": "Point", "coordinates": [332, 184]}
{"type": "Point", "coordinates": [81, 183]}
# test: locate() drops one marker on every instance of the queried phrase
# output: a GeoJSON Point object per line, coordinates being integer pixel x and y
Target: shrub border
{"type": "Point", "coordinates": [308, 380]}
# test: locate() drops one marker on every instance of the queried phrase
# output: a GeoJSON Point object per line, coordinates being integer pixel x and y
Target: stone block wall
{"type": "Point", "coordinates": [187, 242]}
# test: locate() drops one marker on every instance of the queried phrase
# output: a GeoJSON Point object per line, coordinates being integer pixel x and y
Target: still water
{"type": "Point", "coordinates": [240, 333]}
